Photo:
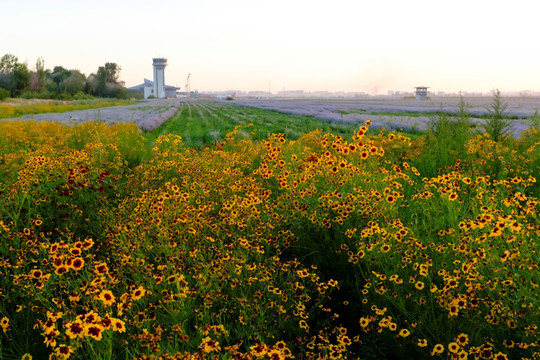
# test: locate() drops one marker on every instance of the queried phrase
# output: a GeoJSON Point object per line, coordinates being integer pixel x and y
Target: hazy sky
{"type": "Point", "coordinates": [349, 45]}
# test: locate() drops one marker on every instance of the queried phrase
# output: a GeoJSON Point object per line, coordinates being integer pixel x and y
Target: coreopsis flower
{"type": "Point", "coordinates": [404, 333]}
{"type": "Point", "coordinates": [94, 331]}
{"type": "Point", "coordinates": [453, 347]}
{"type": "Point", "coordinates": [209, 345]}
{"type": "Point", "coordinates": [437, 350]}
{"type": "Point", "coordinates": [118, 325]}
{"type": "Point", "coordinates": [74, 329]}
{"type": "Point", "coordinates": [462, 339]}
{"type": "Point", "coordinates": [4, 324]}
{"type": "Point", "coordinates": [107, 297]}
{"type": "Point", "coordinates": [63, 352]}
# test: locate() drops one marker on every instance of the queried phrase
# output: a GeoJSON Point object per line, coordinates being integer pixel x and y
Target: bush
{"type": "Point", "coordinates": [4, 94]}
{"type": "Point", "coordinates": [82, 96]}
{"type": "Point", "coordinates": [497, 125]}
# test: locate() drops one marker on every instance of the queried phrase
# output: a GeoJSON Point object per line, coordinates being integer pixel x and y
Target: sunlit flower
{"type": "Point", "coordinates": [138, 293]}
{"type": "Point", "coordinates": [74, 329]}
{"type": "Point", "coordinates": [437, 350]}
{"type": "Point", "coordinates": [4, 323]}
{"type": "Point", "coordinates": [462, 339]}
{"type": "Point", "coordinates": [63, 352]}
{"type": "Point", "coordinates": [118, 325]}
{"type": "Point", "coordinates": [500, 356]}
{"type": "Point", "coordinates": [404, 333]}
{"type": "Point", "coordinates": [107, 297]}
{"type": "Point", "coordinates": [422, 342]}
{"type": "Point", "coordinates": [94, 331]}
{"type": "Point", "coordinates": [453, 347]}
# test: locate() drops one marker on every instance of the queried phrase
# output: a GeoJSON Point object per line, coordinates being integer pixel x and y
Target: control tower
{"type": "Point", "coordinates": [159, 77]}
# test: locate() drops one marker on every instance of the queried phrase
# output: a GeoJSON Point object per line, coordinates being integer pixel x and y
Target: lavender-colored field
{"type": "Point", "coordinates": [148, 114]}
{"type": "Point", "coordinates": [357, 110]}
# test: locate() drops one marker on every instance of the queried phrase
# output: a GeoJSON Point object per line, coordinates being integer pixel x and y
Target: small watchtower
{"type": "Point", "coordinates": [159, 77]}
{"type": "Point", "coordinates": [421, 92]}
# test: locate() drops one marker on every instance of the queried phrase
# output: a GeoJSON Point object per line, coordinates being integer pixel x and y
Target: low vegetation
{"type": "Point", "coordinates": [19, 107]}
{"type": "Point", "coordinates": [256, 235]}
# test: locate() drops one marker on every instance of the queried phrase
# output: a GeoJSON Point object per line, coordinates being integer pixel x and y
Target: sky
{"type": "Point", "coordinates": [368, 46]}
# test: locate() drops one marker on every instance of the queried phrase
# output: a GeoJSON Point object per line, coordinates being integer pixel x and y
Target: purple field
{"type": "Point", "coordinates": [336, 110]}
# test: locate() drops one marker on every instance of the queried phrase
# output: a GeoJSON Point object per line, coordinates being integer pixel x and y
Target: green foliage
{"type": "Point", "coordinates": [204, 122]}
{"type": "Point", "coordinates": [497, 125]}
{"type": "Point", "coordinates": [4, 94]}
{"type": "Point", "coordinates": [534, 121]}
{"type": "Point", "coordinates": [446, 139]}
{"type": "Point", "coordinates": [59, 83]}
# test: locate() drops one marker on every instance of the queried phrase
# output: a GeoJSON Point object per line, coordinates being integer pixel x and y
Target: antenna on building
{"type": "Point", "coordinates": [188, 85]}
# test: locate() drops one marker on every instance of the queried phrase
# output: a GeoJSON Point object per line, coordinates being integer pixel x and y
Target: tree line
{"type": "Point", "coordinates": [18, 80]}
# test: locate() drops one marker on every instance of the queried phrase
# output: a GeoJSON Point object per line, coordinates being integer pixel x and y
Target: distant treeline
{"type": "Point", "coordinates": [17, 80]}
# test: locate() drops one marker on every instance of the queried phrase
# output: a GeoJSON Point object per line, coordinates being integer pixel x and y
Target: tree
{"type": "Point", "coordinates": [59, 74]}
{"type": "Point", "coordinates": [37, 78]}
{"type": "Point", "coordinates": [8, 62]}
{"type": "Point", "coordinates": [497, 125]}
{"type": "Point", "coordinates": [22, 78]}
{"type": "Point", "coordinates": [7, 67]}
{"type": "Point", "coordinates": [106, 81]}
{"type": "Point", "coordinates": [14, 76]}
{"type": "Point", "coordinates": [74, 83]}
{"type": "Point", "coordinates": [110, 73]}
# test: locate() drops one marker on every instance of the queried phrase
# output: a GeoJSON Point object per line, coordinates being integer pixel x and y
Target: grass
{"type": "Point", "coordinates": [204, 122]}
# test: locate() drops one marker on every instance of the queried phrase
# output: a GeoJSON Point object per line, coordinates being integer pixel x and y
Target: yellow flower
{"type": "Point", "coordinates": [107, 297]}
{"type": "Point", "coordinates": [74, 329]}
{"type": "Point", "coordinates": [138, 293]}
{"type": "Point", "coordinates": [437, 350]}
{"type": "Point", "coordinates": [209, 345]}
{"type": "Point", "coordinates": [118, 325]}
{"type": "Point", "coordinates": [453, 347]}
{"type": "Point", "coordinates": [422, 342]}
{"type": "Point", "coordinates": [4, 323]}
{"type": "Point", "coordinates": [462, 339]}
{"type": "Point", "coordinates": [63, 352]}
{"type": "Point", "coordinates": [404, 333]}
{"type": "Point", "coordinates": [95, 331]}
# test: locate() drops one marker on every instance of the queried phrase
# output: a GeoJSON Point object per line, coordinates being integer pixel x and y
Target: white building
{"type": "Point", "coordinates": [157, 88]}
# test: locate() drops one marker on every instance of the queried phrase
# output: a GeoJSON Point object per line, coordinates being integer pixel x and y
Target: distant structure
{"type": "Point", "coordinates": [157, 88]}
{"type": "Point", "coordinates": [159, 77]}
{"type": "Point", "coordinates": [421, 92]}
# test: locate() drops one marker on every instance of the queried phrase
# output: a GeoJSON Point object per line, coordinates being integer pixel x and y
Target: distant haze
{"type": "Point", "coordinates": [340, 45]}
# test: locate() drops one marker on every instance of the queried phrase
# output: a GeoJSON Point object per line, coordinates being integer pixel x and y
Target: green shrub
{"type": "Point", "coordinates": [497, 125]}
{"type": "Point", "coordinates": [534, 121]}
{"type": "Point", "coordinates": [4, 94]}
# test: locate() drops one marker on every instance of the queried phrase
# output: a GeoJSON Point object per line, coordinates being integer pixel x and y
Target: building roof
{"type": "Point", "coordinates": [150, 83]}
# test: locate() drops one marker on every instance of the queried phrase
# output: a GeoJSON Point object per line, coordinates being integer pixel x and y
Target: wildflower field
{"type": "Point", "coordinates": [266, 244]}
{"type": "Point", "coordinates": [19, 107]}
